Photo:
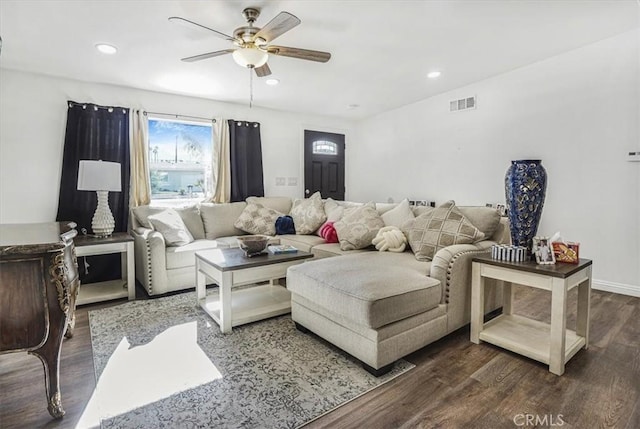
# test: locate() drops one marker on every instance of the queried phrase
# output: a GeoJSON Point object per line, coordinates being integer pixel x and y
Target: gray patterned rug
{"type": "Point", "coordinates": [163, 363]}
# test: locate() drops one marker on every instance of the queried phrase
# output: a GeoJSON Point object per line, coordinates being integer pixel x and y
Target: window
{"type": "Point", "coordinates": [180, 159]}
{"type": "Point", "coordinates": [323, 147]}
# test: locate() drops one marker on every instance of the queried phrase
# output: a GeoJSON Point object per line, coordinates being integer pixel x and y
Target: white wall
{"type": "Point", "coordinates": [33, 112]}
{"type": "Point", "coordinates": [578, 112]}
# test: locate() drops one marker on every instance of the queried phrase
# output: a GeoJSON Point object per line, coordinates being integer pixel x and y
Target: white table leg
{"type": "Point", "coordinates": [507, 298]}
{"type": "Point", "coordinates": [558, 326]}
{"type": "Point", "coordinates": [127, 263]}
{"type": "Point", "coordinates": [477, 302]}
{"type": "Point", "coordinates": [201, 284]}
{"type": "Point", "coordinates": [584, 308]}
{"type": "Point", "coordinates": [225, 302]}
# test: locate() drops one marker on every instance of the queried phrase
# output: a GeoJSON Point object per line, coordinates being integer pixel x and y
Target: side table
{"type": "Point", "coordinates": [552, 344]}
{"type": "Point", "coordinates": [118, 242]}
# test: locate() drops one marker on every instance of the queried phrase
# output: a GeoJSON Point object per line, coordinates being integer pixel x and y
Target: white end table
{"type": "Point", "coordinates": [552, 344]}
{"type": "Point", "coordinates": [118, 242]}
{"type": "Point", "coordinates": [230, 268]}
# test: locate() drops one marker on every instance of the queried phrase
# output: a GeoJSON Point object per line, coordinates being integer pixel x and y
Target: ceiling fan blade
{"type": "Point", "coordinates": [279, 25]}
{"type": "Point", "coordinates": [178, 20]}
{"type": "Point", "coordinates": [303, 54]}
{"type": "Point", "coordinates": [263, 71]}
{"type": "Point", "coordinates": [207, 55]}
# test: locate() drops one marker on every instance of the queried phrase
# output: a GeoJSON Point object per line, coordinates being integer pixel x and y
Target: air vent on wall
{"type": "Point", "coordinates": [462, 104]}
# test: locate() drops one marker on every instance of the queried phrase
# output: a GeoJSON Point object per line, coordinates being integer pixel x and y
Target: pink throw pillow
{"type": "Point", "coordinates": [328, 232]}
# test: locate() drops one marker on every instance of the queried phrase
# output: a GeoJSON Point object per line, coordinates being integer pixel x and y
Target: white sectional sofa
{"type": "Point", "coordinates": [377, 306]}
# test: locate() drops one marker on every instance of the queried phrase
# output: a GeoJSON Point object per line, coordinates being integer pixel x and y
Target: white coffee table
{"type": "Point", "coordinates": [230, 268]}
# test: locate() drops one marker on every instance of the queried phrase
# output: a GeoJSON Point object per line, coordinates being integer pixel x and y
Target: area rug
{"type": "Point", "coordinates": [165, 363]}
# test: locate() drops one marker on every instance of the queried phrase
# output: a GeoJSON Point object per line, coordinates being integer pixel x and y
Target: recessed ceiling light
{"type": "Point", "coordinates": [353, 106]}
{"type": "Point", "coordinates": [434, 74]}
{"type": "Point", "coordinates": [106, 49]}
{"type": "Point", "coordinates": [272, 82]}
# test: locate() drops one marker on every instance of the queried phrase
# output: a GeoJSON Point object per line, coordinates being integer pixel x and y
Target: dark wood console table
{"type": "Point", "coordinates": [38, 288]}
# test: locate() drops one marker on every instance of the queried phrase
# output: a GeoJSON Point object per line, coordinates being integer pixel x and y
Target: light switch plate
{"type": "Point", "coordinates": [292, 181]}
{"type": "Point", "coordinates": [280, 181]}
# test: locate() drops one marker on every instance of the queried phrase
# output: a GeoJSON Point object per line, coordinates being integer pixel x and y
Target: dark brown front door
{"type": "Point", "coordinates": [324, 164]}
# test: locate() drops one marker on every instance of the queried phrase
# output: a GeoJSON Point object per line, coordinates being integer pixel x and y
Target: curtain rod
{"type": "Point", "coordinates": [180, 116]}
{"type": "Point", "coordinates": [72, 104]}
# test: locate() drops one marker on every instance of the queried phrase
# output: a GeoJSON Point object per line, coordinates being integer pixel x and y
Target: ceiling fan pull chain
{"type": "Point", "coordinates": [250, 88]}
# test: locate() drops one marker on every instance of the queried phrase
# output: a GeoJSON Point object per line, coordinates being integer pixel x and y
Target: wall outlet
{"type": "Point", "coordinates": [634, 156]}
{"type": "Point", "coordinates": [292, 181]}
{"type": "Point", "coordinates": [280, 181]}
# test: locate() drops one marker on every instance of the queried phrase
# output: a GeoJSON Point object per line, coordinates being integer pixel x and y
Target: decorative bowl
{"type": "Point", "coordinates": [253, 244]}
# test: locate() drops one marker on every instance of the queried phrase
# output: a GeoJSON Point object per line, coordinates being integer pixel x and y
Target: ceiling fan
{"type": "Point", "coordinates": [253, 44]}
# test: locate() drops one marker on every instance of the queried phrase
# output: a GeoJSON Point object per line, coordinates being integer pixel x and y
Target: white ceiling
{"type": "Point", "coordinates": [381, 50]}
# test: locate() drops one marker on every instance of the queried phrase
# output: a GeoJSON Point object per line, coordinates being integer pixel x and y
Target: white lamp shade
{"type": "Point", "coordinates": [99, 176]}
{"type": "Point", "coordinates": [250, 57]}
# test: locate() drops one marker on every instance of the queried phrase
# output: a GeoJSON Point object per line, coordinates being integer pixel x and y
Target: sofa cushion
{"type": "Point", "coordinates": [358, 227]}
{"type": "Point", "coordinates": [398, 215]}
{"type": "Point", "coordinates": [169, 223]}
{"type": "Point", "coordinates": [301, 242]}
{"type": "Point", "coordinates": [257, 219]}
{"type": "Point", "coordinates": [442, 227]}
{"type": "Point", "coordinates": [184, 256]}
{"type": "Point", "coordinates": [486, 219]}
{"type": "Point", "coordinates": [328, 250]}
{"type": "Point", "coordinates": [370, 288]}
{"type": "Point", "coordinates": [218, 219]}
{"type": "Point", "coordinates": [308, 214]}
{"type": "Point", "coordinates": [191, 217]}
{"type": "Point", "coordinates": [281, 204]}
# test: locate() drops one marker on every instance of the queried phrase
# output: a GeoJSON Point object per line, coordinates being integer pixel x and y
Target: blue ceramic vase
{"type": "Point", "coordinates": [525, 185]}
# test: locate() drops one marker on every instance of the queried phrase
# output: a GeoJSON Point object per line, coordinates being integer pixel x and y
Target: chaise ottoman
{"type": "Point", "coordinates": [376, 306]}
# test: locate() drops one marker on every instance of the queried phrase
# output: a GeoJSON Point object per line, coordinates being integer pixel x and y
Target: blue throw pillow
{"type": "Point", "coordinates": [284, 225]}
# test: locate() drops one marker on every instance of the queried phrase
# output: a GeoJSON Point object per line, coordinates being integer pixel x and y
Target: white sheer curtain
{"type": "Point", "coordinates": [140, 193]}
{"type": "Point", "coordinates": [221, 162]}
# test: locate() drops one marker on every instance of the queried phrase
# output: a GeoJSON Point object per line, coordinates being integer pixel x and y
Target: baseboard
{"type": "Point", "coordinates": [620, 288]}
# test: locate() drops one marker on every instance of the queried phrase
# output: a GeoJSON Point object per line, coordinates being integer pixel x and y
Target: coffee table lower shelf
{"type": "Point", "coordinates": [527, 337]}
{"type": "Point", "coordinates": [250, 304]}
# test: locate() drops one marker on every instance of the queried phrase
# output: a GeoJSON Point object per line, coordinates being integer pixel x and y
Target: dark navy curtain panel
{"type": "Point", "coordinates": [95, 133]}
{"type": "Point", "coordinates": [245, 150]}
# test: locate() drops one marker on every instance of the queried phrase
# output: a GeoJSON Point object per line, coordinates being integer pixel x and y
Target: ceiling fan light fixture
{"type": "Point", "coordinates": [250, 57]}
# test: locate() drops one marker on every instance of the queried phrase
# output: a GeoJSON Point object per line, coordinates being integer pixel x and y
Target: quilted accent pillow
{"type": "Point", "coordinates": [358, 227]}
{"type": "Point", "coordinates": [308, 214]}
{"type": "Point", "coordinates": [328, 232]}
{"type": "Point", "coordinates": [257, 219]}
{"type": "Point", "coordinates": [169, 223]}
{"type": "Point", "coordinates": [439, 228]}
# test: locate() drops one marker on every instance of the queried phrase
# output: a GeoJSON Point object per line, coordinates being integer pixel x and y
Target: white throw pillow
{"type": "Point", "coordinates": [172, 227]}
{"type": "Point", "coordinates": [308, 214]}
{"type": "Point", "coordinates": [398, 215]}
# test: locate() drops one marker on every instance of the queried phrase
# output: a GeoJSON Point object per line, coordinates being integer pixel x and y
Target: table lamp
{"type": "Point", "coordinates": [102, 177]}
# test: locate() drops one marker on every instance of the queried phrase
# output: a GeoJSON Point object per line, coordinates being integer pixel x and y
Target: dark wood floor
{"type": "Point", "coordinates": [455, 384]}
